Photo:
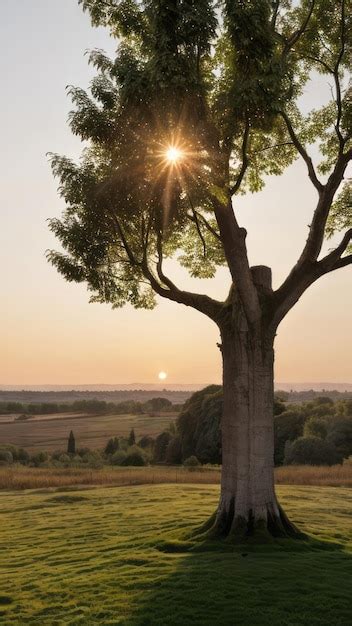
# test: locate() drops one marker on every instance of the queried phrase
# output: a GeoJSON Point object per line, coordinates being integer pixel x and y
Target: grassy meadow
{"type": "Point", "coordinates": [50, 432]}
{"type": "Point", "coordinates": [118, 556]}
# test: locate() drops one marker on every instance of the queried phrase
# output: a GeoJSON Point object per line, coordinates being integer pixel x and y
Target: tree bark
{"type": "Point", "coordinates": [248, 506]}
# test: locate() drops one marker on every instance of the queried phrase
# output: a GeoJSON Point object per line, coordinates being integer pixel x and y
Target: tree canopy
{"type": "Point", "coordinates": [220, 82]}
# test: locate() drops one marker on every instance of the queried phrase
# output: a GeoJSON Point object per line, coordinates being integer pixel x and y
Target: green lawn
{"type": "Point", "coordinates": [98, 556]}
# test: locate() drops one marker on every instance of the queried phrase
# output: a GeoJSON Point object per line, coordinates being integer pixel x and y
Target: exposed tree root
{"type": "Point", "coordinates": [226, 525]}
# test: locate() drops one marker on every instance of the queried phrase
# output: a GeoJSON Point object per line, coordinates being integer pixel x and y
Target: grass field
{"type": "Point", "coordinates": [22, 477]}
{"type": "Point", "coordinates": [93, 431]}
{"type": "Point", "coordinates": [114, 556]}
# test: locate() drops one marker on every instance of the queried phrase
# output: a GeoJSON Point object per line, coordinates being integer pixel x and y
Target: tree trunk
{"type": "Point", "coordinates": [248, 505]}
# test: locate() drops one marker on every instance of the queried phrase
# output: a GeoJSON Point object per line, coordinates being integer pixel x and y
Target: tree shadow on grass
{"type": "Point", "coordinates": [265, 586]}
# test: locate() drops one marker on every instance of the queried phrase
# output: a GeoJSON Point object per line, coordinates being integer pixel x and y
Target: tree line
{"type": "Point", "coordinates": [318, 432]}
{"type": "Point", "coordinates": [94, 406]}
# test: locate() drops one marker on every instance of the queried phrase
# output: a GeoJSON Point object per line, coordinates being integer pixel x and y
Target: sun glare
{"type": "Point", "coordinates": [162, 375]}
{"type": "Point", "coordinates": [173, 154]}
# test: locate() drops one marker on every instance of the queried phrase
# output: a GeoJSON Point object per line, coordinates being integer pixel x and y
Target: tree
{"type": "Point", "coordinates": [112, 446]}
{"type": "Point", "coordinates": [312, 451]}
{"type": "Point", "coordinates": [160, 447]}
{"type": "Point", "coordinates": [173, 454]}
{"type": "Point", "coordinates": [132, 438]}
{"type": "Point", "coordinates": [316, 427]}
{"type": "Point", "coordinates": [199, 105]}
{"type": "Point", "coordinates": [158, 404]}
{"type": "Point", "coordinates": [71, 444]}
{"type": "Point", "coordinates": [340, 435]}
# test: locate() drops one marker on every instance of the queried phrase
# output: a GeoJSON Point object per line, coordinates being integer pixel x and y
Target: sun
{"type": "Point", "coordinates": [173, 155]}
{"type": "Point", "coordinates": [162, 375]}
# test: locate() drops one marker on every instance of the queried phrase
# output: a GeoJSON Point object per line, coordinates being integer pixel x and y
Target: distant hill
{"type": "Point", "coordinates": [164, 388]}
{"type": "Point", "coordinates": [177, 394]}
{"type": "Point", "coordinates": [314, 386]}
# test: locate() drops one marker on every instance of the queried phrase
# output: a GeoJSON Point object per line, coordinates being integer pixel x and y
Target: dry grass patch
{"type": "Point", "coordinates": [21, 477]}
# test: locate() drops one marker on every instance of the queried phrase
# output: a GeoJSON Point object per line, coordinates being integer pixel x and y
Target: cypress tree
{"type": "Point", "coordinates": [71, 444]}
{"type": "Point", "coordinates": [132, 438]}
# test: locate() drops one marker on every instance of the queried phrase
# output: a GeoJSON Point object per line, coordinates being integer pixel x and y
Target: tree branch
{"type": "Point", "coordinates": [327, 264]}
{"type": "Point", "coordinates": [195, 220]}
{"type": "Point", "coordinates": [275, 145]}
{"type": "Point", "coordinates": [234, 241]}
{"type": "Point", "coordinates": [337, 79]}
{"type": "Point", "coordinates": [307, 268]}
{"type": "Point", "coordinates": [317, 229]}
{"type": "Point", "coordinates": [346, 260]}
{"type": "Point", "coordinates": [206, 224]}
{"type": "Point", "coordinates": [203, 303]}
{"type": "Point", "coordinates": [245, 160]}
{"type": "Point", "coordinates": [275, 14]}
{"type": "Point", "coordinates": [292, 40]}
{"type": "Point", "coordinates": [302, 151]}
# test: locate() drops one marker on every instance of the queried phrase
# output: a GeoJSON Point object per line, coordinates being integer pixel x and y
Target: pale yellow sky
{"type": "Point", "coordinates": [49, 334]}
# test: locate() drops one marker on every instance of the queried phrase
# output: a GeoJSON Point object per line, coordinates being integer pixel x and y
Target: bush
{"type": "Point", "coordinates": [118, 458]}
{"type": "Point", "coordinates": [146, 442]}
{"type": "Point", "coordinates": [311, 451]}
{"type": "Point", "coordinates": [135, 457]}
{"type": "Point", "coordinates": [316, 427]}
{"type": "Point", "coordinates": [65, 459]}
{"type": "Point", "coordinates": [39, 459]}
{"type": "Point", "coordinates": [83, 452]}
{"type": "Point", "coordinates": [6, 457]}
{"type": "Point", "coordinates": [10, 448]}
{"type": "Point", "coordinates": [93, 459]}
{"type": "Point", "coordinates": [191, 462]}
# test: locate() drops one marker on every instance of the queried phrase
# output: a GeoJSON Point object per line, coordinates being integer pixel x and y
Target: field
{"type": "Point", "coordinates": [116, 556]}
{"type": "Point", "coordinates": [92, 431]}
{"type": "Point", "coordinates": [22, 477]}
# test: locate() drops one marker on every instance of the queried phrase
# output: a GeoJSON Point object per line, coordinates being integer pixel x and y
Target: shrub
{"type": "Point", "coordinates": [135, 457]}
{"type": "Point", "coordinates": [83, 452]}
{"type": "Point", "coordinates": [146, 442]}
{"type": "Point", "coordinates": [65, 459]}
{"type": "Point", "coordinates": [6, 457]}
{"type": "Point", "coordinates": [118, 458]}
{"type": "Point", "coordinates": [316, 427]}
{"type": "Point", "coordinates": [10, 448]}
{"type": "Point", "coordinates": [39, 459]}
{"type": "Point", "coordinates": [93, 459]}
{"type": "Point", "coordinates": [191, 462]}
{"type": "Point", "coordinates": [23, 456]}
{"type": "Point", "coordinates": [311, 451]}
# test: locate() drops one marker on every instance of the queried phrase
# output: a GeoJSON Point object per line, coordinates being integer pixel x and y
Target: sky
{"type": "Point", "coordinates": [49, 333]}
